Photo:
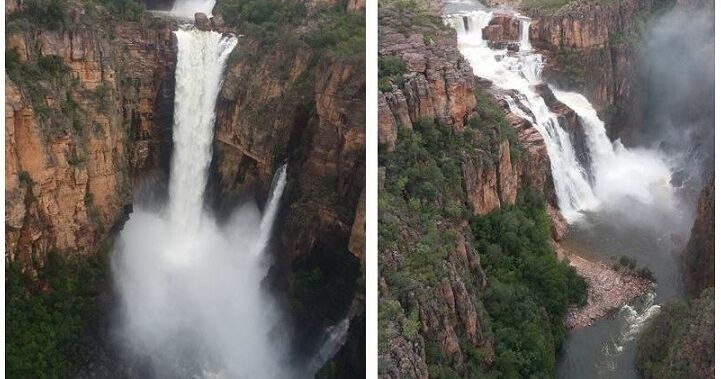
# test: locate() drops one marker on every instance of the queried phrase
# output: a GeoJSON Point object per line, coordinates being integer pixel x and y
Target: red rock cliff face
{"type": "Point", "coordinates": [73, 150]}
{"type": "Point", "coordinates": [593, 47]}
{"type": "Point", "coordinates": [283, 103]}
{"type": "Point", "coordinates": [698, 259]}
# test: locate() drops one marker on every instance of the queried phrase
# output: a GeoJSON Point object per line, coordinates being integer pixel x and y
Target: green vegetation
{"type": "Point", "coordinates": [322, 285]}
{"type": "Point", "coordinates": [47, 313]}
{"type": "Point", "coordinates": [261, 13]}
{"type": "Point", "coordinates": [48, 77]}
{"type": "Point", "coordinates": [338, 33]}
{"type": "Point", "coordinates": [412, 14]}
{"type": "Point", "coordinates": [530, 290]}
{"type": "Point", "coordinates": [627, 39]}
{"type": "Point", "coordinates": [390, 72]}
{"type": "Point", "coordinates": [628, 264]}
{"type": "Point", "coordinates": [545, 4]}
{"type": "Point", "coordinates": [56, 14]}
{"type": "Point", "coordinates": [679, 341]}
{"type": "Point", "coordinates": [331, 30]}
{"type": "Point", "coordinates": [420, 209]}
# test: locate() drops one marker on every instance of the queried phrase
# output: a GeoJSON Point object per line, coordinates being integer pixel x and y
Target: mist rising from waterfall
{"type": "Point", "coordinates": [679, 56]}
{"type": "Point", "coordinates": [617, 176]}
{"type": "Point", "coordinates": [192, 304]}
{"type": "Point", "coordinates": [188, 8]}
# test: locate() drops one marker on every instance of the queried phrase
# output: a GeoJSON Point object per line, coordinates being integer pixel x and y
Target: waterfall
{"type": "Point", "coordinates": [191, 300]}
{"type": "Point", "coordinates": [616, 173]}
{"type": "Point", "coordinates": [333, 339]}
{"type": "Point", "coordinates": [188, 8]}
{"type": "Point", "coordinates": [619, 172]}
{"type": "Point", "coordinates": [200, 55]}
{"type": "Point", "coordinates": [271, 208]}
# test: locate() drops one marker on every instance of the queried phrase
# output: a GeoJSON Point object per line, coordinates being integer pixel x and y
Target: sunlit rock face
{"type": "Point", "coordinates": [69, 178]}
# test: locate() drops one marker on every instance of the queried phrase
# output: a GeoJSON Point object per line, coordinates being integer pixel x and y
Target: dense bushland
{"type": "Point", "coordinates": [421, 207]}
{"type": "Point", "coordinates": [331, 30]}
{"type": "Point", "coordinates": [47, 314]}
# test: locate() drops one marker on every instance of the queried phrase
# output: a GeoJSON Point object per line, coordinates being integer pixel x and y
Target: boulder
{"type": "Point", "coordinates": [202, 22]}
{"type": "Point", "coordinates": [503, 28]}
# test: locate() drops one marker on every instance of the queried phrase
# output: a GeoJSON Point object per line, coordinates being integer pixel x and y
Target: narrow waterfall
{"type": "Point", "coordinates": [333, 339]}
{"type": "Point", "coordinates": [616, 173]}
{"type": "Point", "coordinates": [271, 209]}
{"type": "Point", "coordinates": [191, 300]}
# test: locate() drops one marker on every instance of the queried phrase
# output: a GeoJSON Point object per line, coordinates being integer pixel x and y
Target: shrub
{"type": "Point", "coordinates": [339, 33]}
{"type": "Point", "coordinates": [530, 289]}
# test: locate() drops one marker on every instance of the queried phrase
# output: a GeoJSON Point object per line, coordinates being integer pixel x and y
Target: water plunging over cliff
{"type": "Point", "coordinates": [192, 304]}
{"type": "Point", "coordinates": [619, 200]}
{"type": "Point", "coordinates": [615, 173]}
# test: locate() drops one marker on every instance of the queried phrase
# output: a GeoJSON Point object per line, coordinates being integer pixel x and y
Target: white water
{"type": "Point", "coordinates": [333, 339]}
{"type": "Point", "coordinates": [632, 320]}
{"type": "Point", "coordinates": [198, 76]}
{"type": "Point", "coordinates": [617, 174]}
{"type": "Point", "coordinates": [188, 8]}
{"type": "Point", "coordinates": [266, 223]}
{"type": "Point", "coordinates": [190, 288]}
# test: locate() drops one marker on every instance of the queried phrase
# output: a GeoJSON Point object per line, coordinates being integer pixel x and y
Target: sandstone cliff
{"type": "Point", "coordinates": [593, 47]}
{"type": "Point", "coordinates": [84, 115]}
{"type": "Point", "coordinates": [287, 98]}
{"type": "Point", "coordinates": [431, 316]}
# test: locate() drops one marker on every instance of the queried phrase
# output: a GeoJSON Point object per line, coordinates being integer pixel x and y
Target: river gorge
{"type": "Point", "coordinates": [604, 137]}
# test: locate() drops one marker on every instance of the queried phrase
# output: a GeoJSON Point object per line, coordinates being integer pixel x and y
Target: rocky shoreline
{"type": "Point", "coordinates": [608, 289]}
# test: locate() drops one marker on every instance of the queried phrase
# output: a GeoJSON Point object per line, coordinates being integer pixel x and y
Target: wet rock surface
{"type": "Point", "coordinates": [608, 289]}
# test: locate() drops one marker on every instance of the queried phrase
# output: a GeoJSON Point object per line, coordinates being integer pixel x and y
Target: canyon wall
{"type": "Point", "coordinates": [289, 99]}
{"type": "Point", "coordinates": [86, 113]}
{"type": "Point", "coordinates": [437, 86]}
{"type": "Point", "coordinates": [594, 48]}
{"type": "Point", "coordinates": [698, 258]}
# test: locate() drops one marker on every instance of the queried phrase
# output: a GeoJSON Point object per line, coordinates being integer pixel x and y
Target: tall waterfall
{"type": "Point", "coordinates": [615, 172]}
{"type": "Point", "coordinates": [192, 304]}
{"type": "Point", "coordinates": [198, 75]}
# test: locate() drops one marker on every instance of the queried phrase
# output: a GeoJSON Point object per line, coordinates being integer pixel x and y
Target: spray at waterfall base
{"type": "Point", "coordinates": [190, 288]}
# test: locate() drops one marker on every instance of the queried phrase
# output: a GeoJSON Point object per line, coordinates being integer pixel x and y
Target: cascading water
{"type": "Point", "coordinates": [614, 202]}
{"type": "Point", "coordinates": [520, 73]}
{"type": "Point", "coordinates": [192, 304]}
{"type": "Point", "coordinates": [615, 172]}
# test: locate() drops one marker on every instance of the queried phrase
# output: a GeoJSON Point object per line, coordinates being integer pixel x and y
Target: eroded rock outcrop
{"type": "Point", "coordinates": [502, 30]}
